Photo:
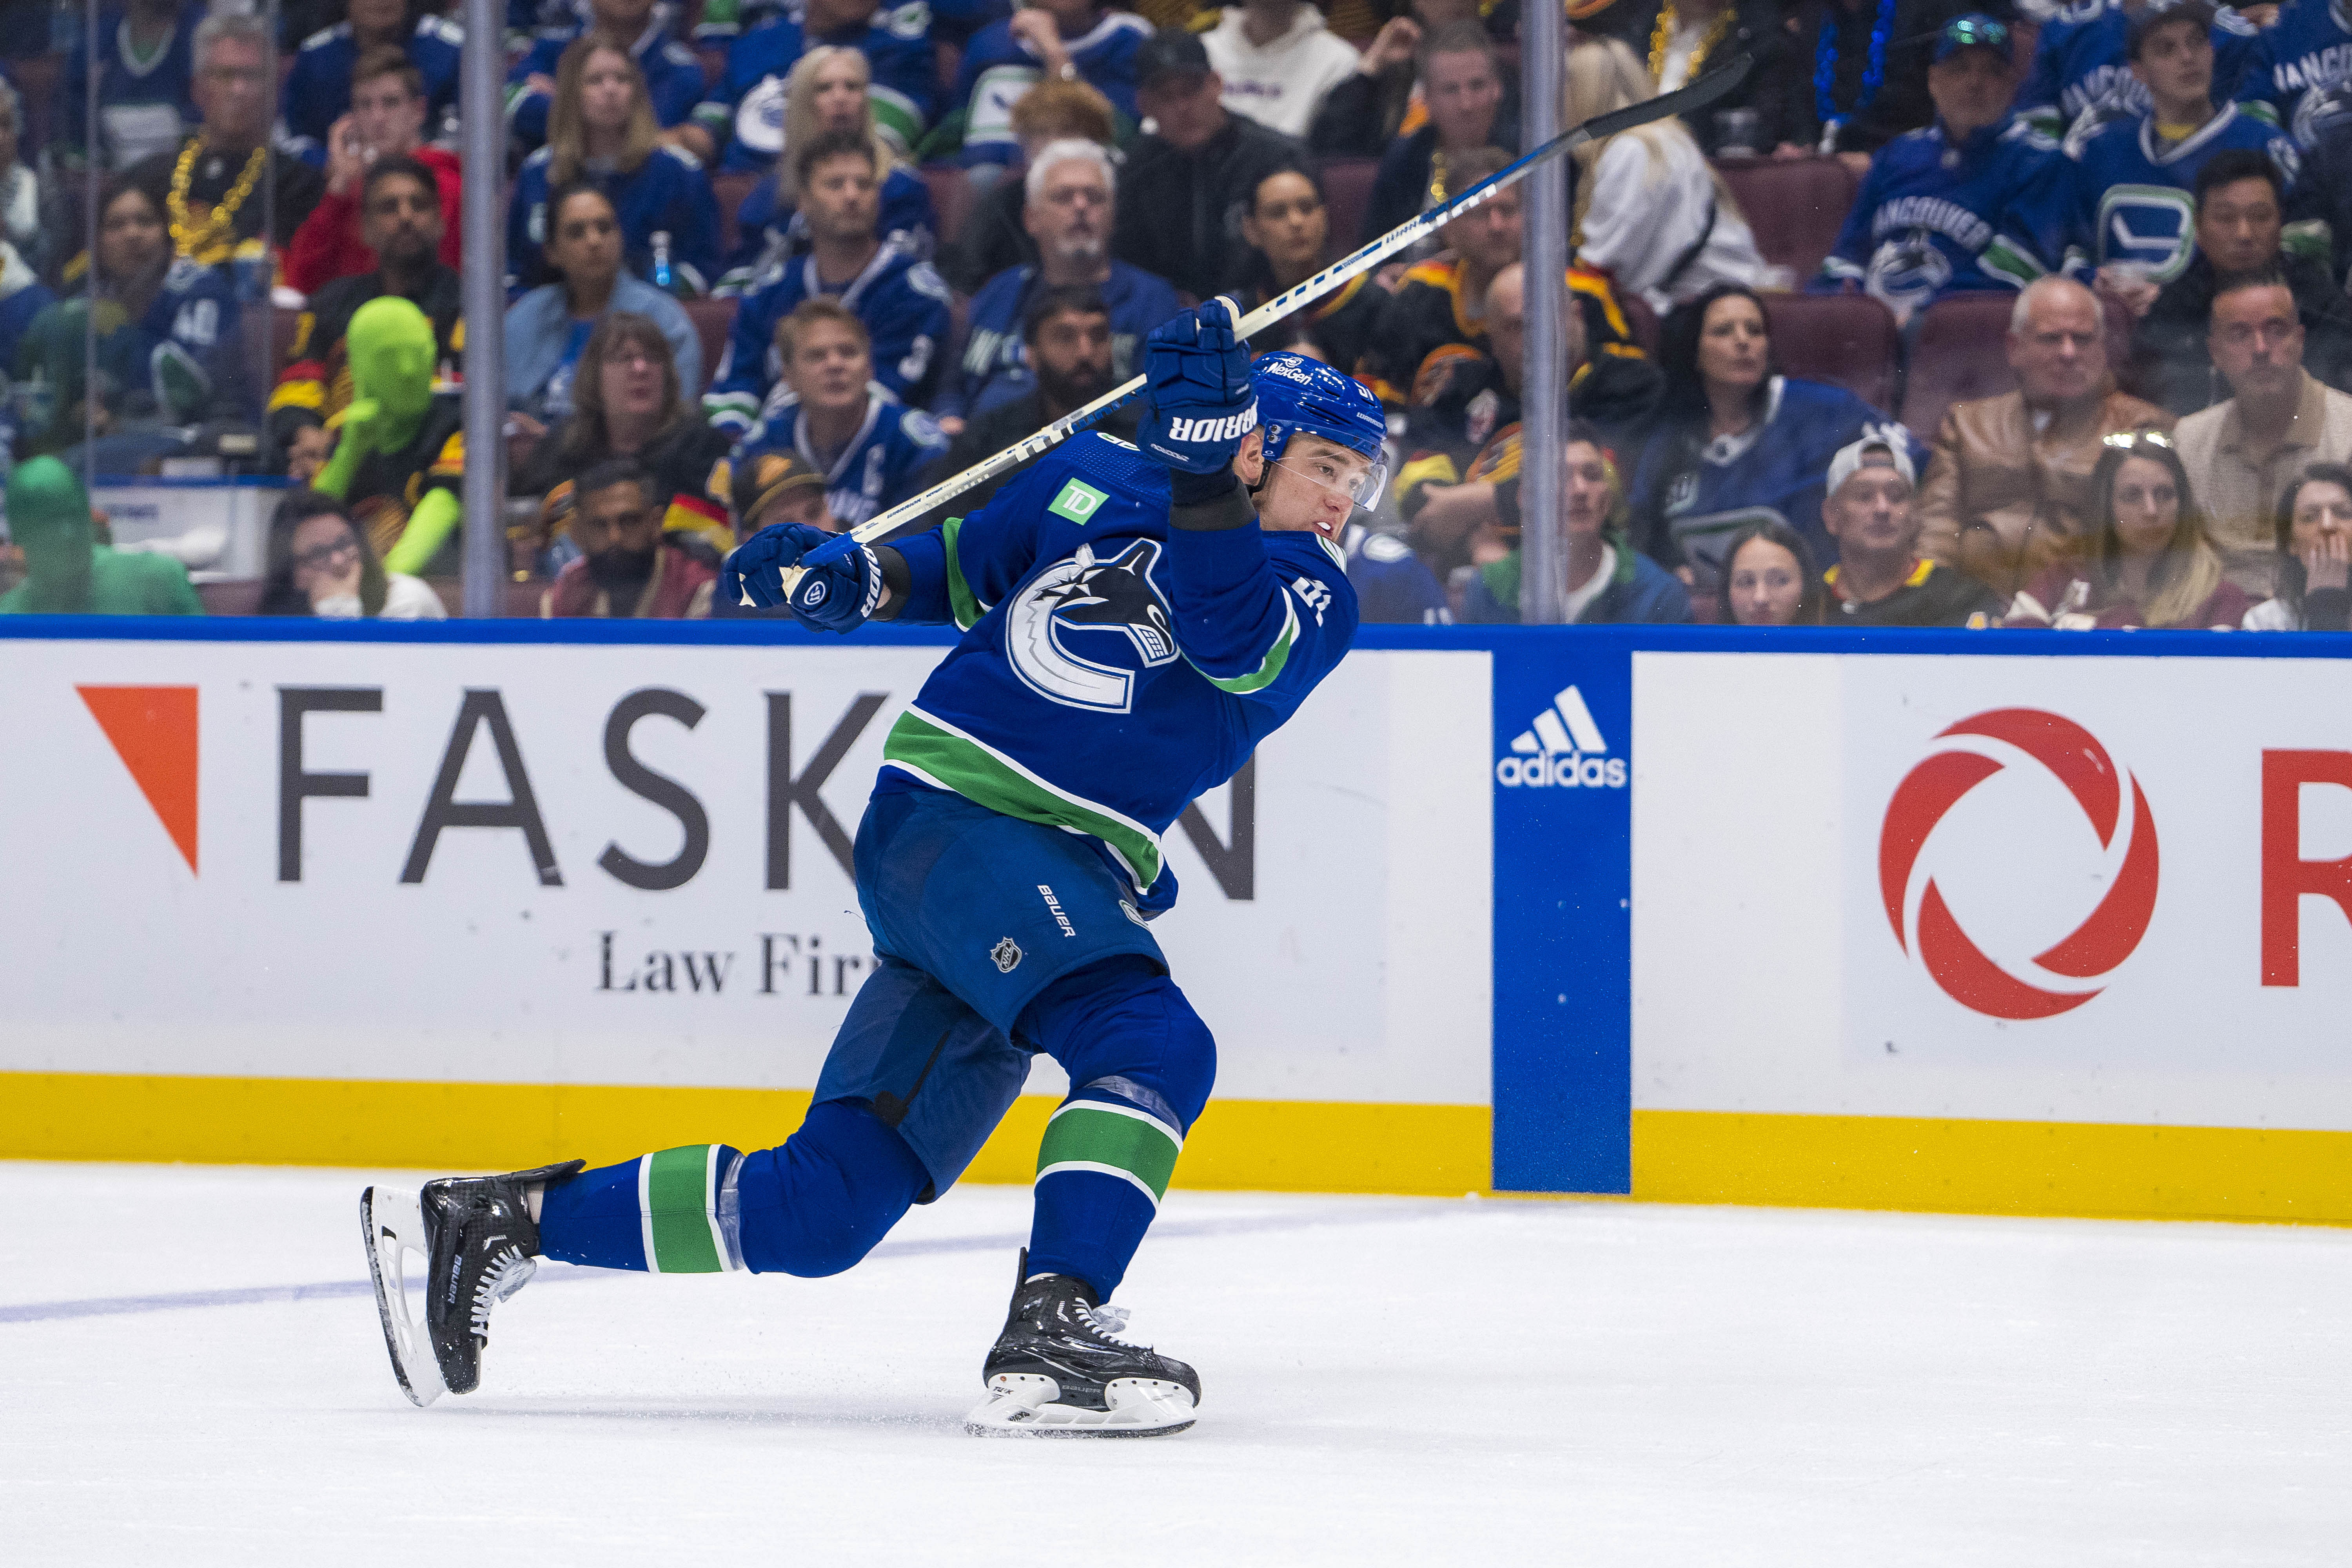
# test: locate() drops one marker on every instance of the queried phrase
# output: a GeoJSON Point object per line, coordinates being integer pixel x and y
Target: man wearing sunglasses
{"type": "Point", "coordinates": [1136, 619]}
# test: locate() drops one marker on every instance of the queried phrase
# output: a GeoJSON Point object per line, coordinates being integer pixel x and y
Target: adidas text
{"type": "Point", "coordinates": [1561, 748]}
{"type": "Point", "coordinates": [1567, 772]}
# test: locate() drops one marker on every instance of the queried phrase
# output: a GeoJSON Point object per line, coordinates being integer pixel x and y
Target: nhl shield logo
{"type": "Point", "coordinates": [1006, 953]}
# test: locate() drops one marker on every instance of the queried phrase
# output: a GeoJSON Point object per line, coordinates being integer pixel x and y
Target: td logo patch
{"type": "Point", "coordinates": [1077, 502]}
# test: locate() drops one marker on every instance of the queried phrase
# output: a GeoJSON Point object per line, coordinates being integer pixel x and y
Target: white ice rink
{"type": "Point", "coordinates": [1386, 1380]}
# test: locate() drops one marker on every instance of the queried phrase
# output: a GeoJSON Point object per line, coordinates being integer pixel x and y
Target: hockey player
{"type": "Point", "coordinates": [1929, 219]}
{"type": "Point", "coordinates": [2082, 64]}
{"type": "Point", "coordinates": [828, 413]}
{"type": "Point", "coordinates": [2125, 200]}
{"type": "Point", "coordinates": [1136, 622]}
{"type": "Point", "coordinates": [901, 297]}
{"type": "Point", "coordinates": [2308, 53]}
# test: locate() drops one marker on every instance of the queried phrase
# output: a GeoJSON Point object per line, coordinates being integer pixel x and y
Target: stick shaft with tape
{"type": "Point", "coordinates": [1697, 95]}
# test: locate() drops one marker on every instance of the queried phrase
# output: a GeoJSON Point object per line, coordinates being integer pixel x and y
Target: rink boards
{"type": "Point", "coordinates": [2009, 923]}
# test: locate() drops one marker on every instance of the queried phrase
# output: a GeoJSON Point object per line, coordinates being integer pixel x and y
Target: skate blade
{"type": "Point", "coordinates": [391, 1225]}
{"type": "Point", "coordinates": [1025, 1406]}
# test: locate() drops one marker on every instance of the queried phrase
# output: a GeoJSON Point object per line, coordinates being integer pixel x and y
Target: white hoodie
{"type": "Point", "coordinates": [1278, 85]}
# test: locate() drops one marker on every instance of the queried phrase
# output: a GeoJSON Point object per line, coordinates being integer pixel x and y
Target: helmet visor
{"type": "Point", "coordinates": [1335, 469]}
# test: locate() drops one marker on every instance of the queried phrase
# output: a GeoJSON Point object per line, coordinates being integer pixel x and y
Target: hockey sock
{"type": "Point", "coordinates": [812, 1207]}
{"type": "Point", "coordinates": [1143, 1062]}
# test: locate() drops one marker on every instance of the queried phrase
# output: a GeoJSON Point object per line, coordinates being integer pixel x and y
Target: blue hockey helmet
{"type": "Point", "coordinates": [1296, 394]}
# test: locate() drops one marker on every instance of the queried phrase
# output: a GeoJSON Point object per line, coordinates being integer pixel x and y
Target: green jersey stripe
{"type": "Point", "coordinates": [943, 755]}
{"type": "Point", "coordinates": [1268, 667]}
{"type": "Point", "coordinates": [961, 600]}
{"type": "Point", "coordinates": [1093, 1136]}
{"type": "Point", "coordinates": [675, 1191]}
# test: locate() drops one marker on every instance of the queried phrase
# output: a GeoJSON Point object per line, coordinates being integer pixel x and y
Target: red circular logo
{"type": "Point", "coordinates": [2074, 757]}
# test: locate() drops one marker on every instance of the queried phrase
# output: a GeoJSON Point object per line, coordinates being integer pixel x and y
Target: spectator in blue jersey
{"type": "Point", "coordinates": [2124, 207]}
{"type": "Point", "coordinates": [1870, 508]}
{"type": "Point", "coordinates": [2241, 202]}
{"type": "Point", "coordinates": [146, 85]}
{"type": "Point", "coordinates": [1606, 581]}
{"type": "Point", "coordinates": [1187, 184]}
{"type": "Point", "coordinates": [826, 92]}
{"type": "Point", "coordinates": [2322, 198]}
{"type": "Point", "coordinates": [888, 285]}
{"type": "Point", "coordinates": [1855, 76]}
{"type": "Point", "coordinates": [833, 413]}
{"type": "Point", "coordinates": [1066, 332]}
{"type": "Point", "coordinates": [166, 350]}
{"type": "Point", "coordinates": [602, 130]}
{"type": "Point", "coordinates": [2081, 71]}
{"type": "Point", "coordinates": [1071, 191]}
{"type": "Point", "coordinates": [1936, 212]}
{"type": "Point", "coordinates": [741, 120]}
{"type": "Point", "coordinates": [1059, 40]}
{"type": "Point", "coordinates": [547, 328]}
{"type": "Point", "coordinates": [673, 76]}
{"type": "Point", "coordinates": [1734, 439]}
{"type": "Point", "coordinates": [2295, 65]}
{"type": "Point", "coordinates": [318, 90]}
{"type": "Point", "coordinates": [1288, 227]}
{"type": "Point", "coordinates": [1770, 579]}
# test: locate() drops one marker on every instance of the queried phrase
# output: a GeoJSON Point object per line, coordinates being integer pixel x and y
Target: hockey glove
{"type": "Point", "coordinates": [1197, 373]}
{"type": "Point", "coordinates": [836, 597]}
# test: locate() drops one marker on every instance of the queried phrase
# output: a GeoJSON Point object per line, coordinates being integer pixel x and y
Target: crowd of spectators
{"type": "Point", "coordinates": [911, 234]}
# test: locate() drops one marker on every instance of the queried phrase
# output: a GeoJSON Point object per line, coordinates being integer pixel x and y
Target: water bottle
{"type": "Point", "coordinates": [663, 277]}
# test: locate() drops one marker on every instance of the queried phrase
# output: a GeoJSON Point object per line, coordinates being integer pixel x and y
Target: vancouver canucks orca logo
{"type": "Point", "coordinates": [1087, 594]}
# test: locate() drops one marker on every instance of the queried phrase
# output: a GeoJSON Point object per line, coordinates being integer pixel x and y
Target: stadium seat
{"type": "Point", "coordinates": [1347, 192]}
{"type": "Point", "coordinates": [729, 191]}
{"type": "Point", "coordinates": [283, 325]}
{"type": "Point", "coordinates": [1961, 352]}
{"type": "Point", "coordinates": [951, 198]}
{"type": "Point", "coordinates": [713, 320]}
{"type": "Point", "coordinates": [1642, 319]}
{"type": "Point", "coordinates": [234, 596]}
{"type": "Point", "coordinates": [1795, 207]}
{"type": "Point", "coordinates": [36, 77]}
{"type": "Point", "coordinates": [1848, 340]}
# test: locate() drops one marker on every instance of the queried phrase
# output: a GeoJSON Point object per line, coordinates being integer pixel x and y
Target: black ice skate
{"type": "Point", "coordinates": [478, 1242]}
{"type": "Point", "coordinates": [1060, 1370]}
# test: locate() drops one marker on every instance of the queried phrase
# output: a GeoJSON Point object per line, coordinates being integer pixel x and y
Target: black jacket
{"type": "Point", "coordinates": [2172, 365]}
{"type": "Point", "coordinates": [1901, 104]}
{"type": "Point", "coordinates": [1179, 214]}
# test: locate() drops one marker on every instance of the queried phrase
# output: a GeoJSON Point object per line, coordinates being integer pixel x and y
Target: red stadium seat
{"type": "Point", "coordinates": [1795, 207]}
{"type": "Point", "coordinates": [1849, 340]}
{"type": "Point", "coordinates": [951, 198]}
{"type": "Point", "coordinates": [713, 320]}
{"type": "Point", "coordinates": [1347, 192]}
{"type": "Point", "coordinates": [1642, 319]}
{"type": "Point", "coordinates": [283, 323]}
{"type": "Point", "coordinates": [729, 191]}
{"type": "Point", "coordinates": [230, 596]}
{"type": "Point", "coordinates": [36, 84]}
{"type": "Point", "coordinates": [1961, 354]}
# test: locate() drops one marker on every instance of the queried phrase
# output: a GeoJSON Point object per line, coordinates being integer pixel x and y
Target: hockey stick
{"type": "Point", "coordinates": [1697, 95]}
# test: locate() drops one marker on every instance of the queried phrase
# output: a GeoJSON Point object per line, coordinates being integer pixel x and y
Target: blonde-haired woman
{"type": "Point", "coordinates": [826, 91]}
{"type": "Point", "coordinates": [1649, 210]}
{"type": "Point", "coordinates": [2147, 560]}
{"type": "Point", "coordinates": [603, 130]}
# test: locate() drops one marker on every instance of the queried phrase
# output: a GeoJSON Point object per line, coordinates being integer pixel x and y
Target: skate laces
{"type": "Point", "coordinates": [1110, 1322]}
{"type": "Point", "coordinates": [509, 1271]}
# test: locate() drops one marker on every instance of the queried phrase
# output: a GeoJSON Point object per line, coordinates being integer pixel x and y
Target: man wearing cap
{"type": "Point", "coordinates": [1935, 213]}
{"type": "Point", "coordinates": [1880, 579]}
{"type": "Point", "coordinates": [1190, 181]}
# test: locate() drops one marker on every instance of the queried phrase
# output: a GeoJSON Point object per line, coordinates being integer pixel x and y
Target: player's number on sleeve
{"type": "Point", "coordinates": [198, 323]}
{"type": "Point", "coordinates": [1317, 596]}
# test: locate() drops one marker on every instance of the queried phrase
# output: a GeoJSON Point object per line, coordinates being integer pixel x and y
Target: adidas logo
{"type": "Point", "coordinates": [1563, 749]}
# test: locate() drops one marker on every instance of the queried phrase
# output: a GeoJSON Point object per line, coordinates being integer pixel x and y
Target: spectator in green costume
{"type": "Point", "coordinates": [68, 571]}
{"type": "Point", "coordinates": [397, 464]}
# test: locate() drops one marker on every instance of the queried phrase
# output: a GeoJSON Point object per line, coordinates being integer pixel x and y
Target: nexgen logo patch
{"type": "Point", "coordinates": [153, 730]}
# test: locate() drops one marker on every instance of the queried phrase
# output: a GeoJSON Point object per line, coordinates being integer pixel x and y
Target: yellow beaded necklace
{"type": "Point", "coordinates": [211, 241]}
{"type": "Point", "coordinates": [1662, 33]}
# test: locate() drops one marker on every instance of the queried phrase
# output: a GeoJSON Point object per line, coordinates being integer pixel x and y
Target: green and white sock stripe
{"type": "Point", "coordinates": [679, 1205]}
{"type": "Point", "coordinates": [1114, 1141]}
{"type": "Point", "coordinates": [943, 756]}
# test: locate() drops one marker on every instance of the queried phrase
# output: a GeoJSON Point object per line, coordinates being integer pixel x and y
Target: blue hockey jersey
{"type": "Point", "coordinates": [1932, 219]}
{"type": "Point", "coordinates": [669, 194]}
{"type": "Point", "coordinates": [2082, 61]}
{"type": "Point", "coordinates": [995, 365]}
{"type": "Point", "coordinates": [998, 68]}
{"type": "Point", "coordinates": [768, 231]}
{"type": "Point", "coordinates": [673, 78]}
{"type": "Point", "coordinates": [899, 297]}
{"type": "Point", "coordinates": [1112, 667]}
{"type": "Point", "coordinates": [143, 109]}
{"type": "Point", "coordinates": [181, 360]}
{"type": "Point", "coordinates": [877, 470]}
{"type": "Point", "coordinates": [2309, 51]}
{"type": "Point", "coordinates": [1391, 582]}
{"type": "Point", "coordinates": [1689, 492]}
{"type": "Point", "coordinates": [744, 110]}
{"type": "Point", "coordinates": [319, 88]}
{"type": "Point", "coordinates": [2125, 198]}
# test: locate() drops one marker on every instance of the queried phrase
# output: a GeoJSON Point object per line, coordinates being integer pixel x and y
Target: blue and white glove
{"type": "Point", "coordinates": [834, 598]}
{"type": "Point", "coordinates": [1200, 404]}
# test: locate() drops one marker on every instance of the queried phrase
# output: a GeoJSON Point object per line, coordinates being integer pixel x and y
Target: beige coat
{"type": "Point", "coordinates": [2002, 503]}
{"type": "Point", "coordinates": [2239, 494]}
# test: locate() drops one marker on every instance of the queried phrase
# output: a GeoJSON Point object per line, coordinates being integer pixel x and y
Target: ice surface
{"type": "Point", "coordinates": [1386, 1382]}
